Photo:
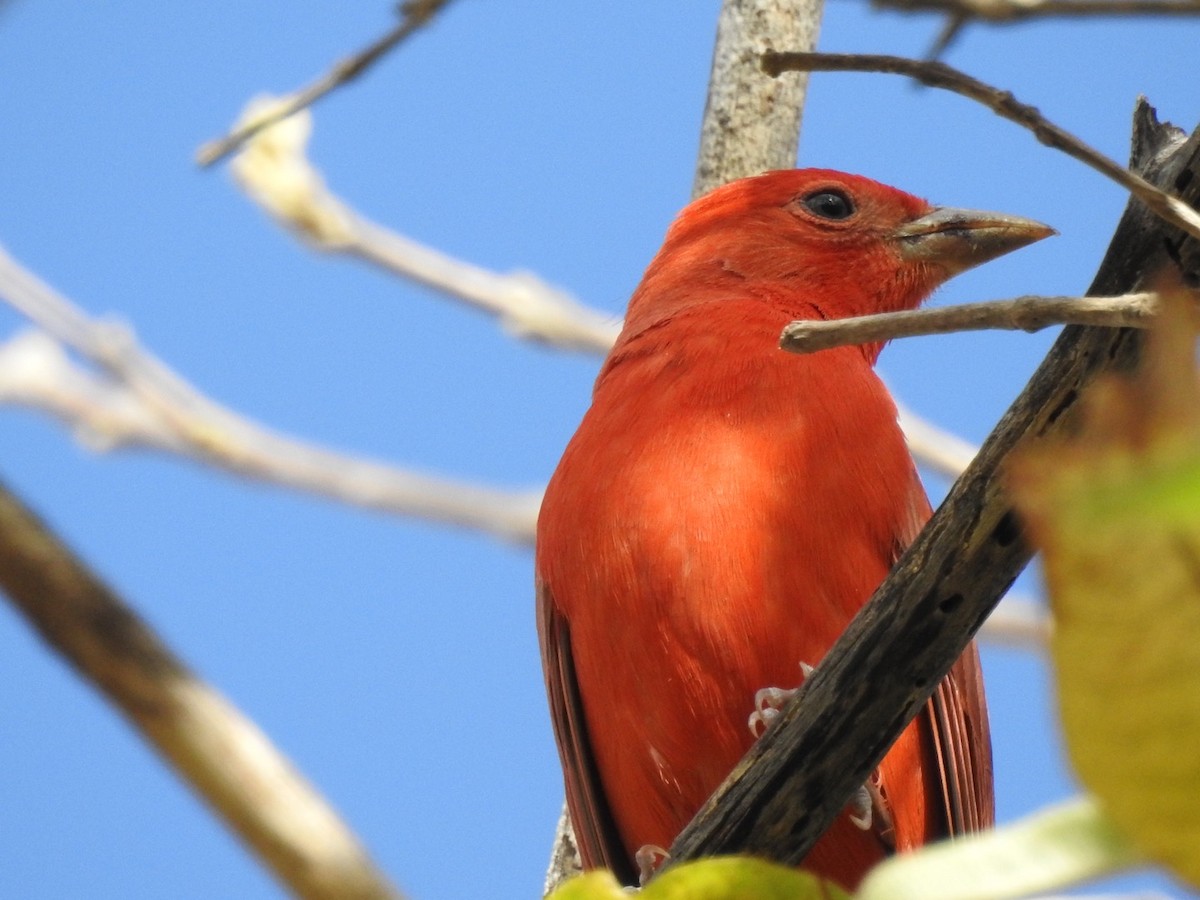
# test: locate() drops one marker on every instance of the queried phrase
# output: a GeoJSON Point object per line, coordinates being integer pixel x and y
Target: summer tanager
{"type": "Point", "coordinates": [725, 508]}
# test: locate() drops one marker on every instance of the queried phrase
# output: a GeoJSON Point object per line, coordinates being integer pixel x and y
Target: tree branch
{"type": "Point", "coordinates": [798, 777]}
{"type": "Point", "coordinates": [1020, 624]}
{"type": "Point", "coordinates": [939, 75]}
{"type": "Point", "coordinates": [139, 400]}
{"type": "Point", "coordinates": [752, 124]}
{"type": "Point", "coordinates": [937, 448]}
{"type": "Point", "coordinates": [274, 172]}
{"type": "Point", "coordinates": [225, 758]}
{"type": "Point", "coordinates": [415, 15]}
{"type": "Point", "coordinates": [1026, 313]}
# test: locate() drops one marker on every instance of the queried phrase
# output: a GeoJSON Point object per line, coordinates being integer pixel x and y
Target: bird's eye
{"type": "Point", "coordinates": [829, 205]}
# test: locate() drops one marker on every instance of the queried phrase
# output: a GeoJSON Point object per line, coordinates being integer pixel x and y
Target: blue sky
{"type": "Point", "coordinates": [396, 662]}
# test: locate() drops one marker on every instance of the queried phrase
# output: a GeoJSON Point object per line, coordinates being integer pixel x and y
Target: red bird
{"type": "Point", "coordinates": [725, 509]}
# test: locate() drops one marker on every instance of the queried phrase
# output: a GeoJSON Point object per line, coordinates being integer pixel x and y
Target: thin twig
{"type": "Point", "coordinates": [186, 421]}
{"type": "Point", "coordinates": [1006, 11]}
{"type": "Point", "coordinates": [415, 15]}
{"type": "Point", "coordinates": [274, 171]}
{"type": "Point", "coordinates": [1027, 313]}
{"type": "Point", "coordinates": [526, 306]}
{"type": "Point", "coordinates": [218, 751]}
{"type": "Point", "coordinates": [939, 75]}
{"type": "Point", "coordinates": [951, 29]}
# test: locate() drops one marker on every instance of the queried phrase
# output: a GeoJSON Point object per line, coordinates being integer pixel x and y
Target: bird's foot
{"type": "Point", "coordinates": [648, 858]}
{"type": "Point", "coordinates": [861, 808]}
{"type": "Point", "coordinates": [768, 702]}
{"type": "Point", "coordinates": [868, 807]}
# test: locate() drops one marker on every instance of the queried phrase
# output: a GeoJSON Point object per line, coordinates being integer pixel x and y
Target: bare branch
{"type": "Point", "coordinates": [751, 124]}
{"type": "Point", "coordinates": [1009, 11]}
{"type": "Point", "coordinates": [939, 75]}
{"type": "Point", "coordinates": [138, 400]}
{"type": "Point", "coordinates": [37, 373]}
{"type": "Point", "coordinates": [415, 14]}
{"type": "Point", "coordinates": [935, 447]}
{"type": "Point", "coordinates": [276, 174]}
{"type": "Point", "coordinates": [1019, 623]}
{"type": "Point", "coordinates": [951, 29]}
{"type": "Point", "coordinates": [225, 758]}
{"type": "Point", "coordinates": [1027, 313]}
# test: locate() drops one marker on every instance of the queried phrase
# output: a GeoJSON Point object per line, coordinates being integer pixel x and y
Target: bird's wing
{"type": "Point", "coordinates": [957, 712]}
{"type": "Point", "coordinates": [596, 834]}
{"type": "Point", "coordinates": [957, 718]}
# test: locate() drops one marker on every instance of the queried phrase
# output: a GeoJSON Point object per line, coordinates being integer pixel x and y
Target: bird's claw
{"type": "Point", "coordinates": [769, 702]}
{"type": "Point", "coordinates": [648, 858]}
{"type": "Point", "coordinates": [861, 808]}
{"type": "Point", "coordinates": [868, 809]}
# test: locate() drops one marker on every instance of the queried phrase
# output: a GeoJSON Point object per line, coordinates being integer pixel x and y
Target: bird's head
{"type": "Point", "coordinates": [842, 242]}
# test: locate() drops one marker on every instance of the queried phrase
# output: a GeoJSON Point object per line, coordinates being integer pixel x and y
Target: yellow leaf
{"type": "Point", "coordinates": [722, 878]}
{"type": "Point", "coordinates": [598, 885]}
{"type": "Point", "coordinates": [1116, 512]}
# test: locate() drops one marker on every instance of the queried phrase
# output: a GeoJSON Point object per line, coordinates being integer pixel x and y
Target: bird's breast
{"type": "Point", "coordinates": [715, 522]}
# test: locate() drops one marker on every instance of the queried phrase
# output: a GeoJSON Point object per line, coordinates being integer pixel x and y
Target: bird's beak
{"type": "Point", "coordinates": [959, 239]}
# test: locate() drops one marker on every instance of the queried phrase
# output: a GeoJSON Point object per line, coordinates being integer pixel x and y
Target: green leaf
{"type": "Point", "coordinates": [1052, 849]}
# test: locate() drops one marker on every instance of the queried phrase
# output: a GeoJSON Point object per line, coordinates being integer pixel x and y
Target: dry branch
{"type": "Point", "coordinates": [1019, 314]}
{"type": "Point", "coordinates": [799, 776]}
{"type": "Point", "coordinates": [944, 452]}
{"type": "Point", "coordinates": [1020, 624]}
{"type": "Point", "coordinates": [136, 398]}
{"type": "Point", "coordinates": [415, 14]}
{"type": "Point", "coordinates": [226, 759]}
{"type": "Point", "coordinates": [275, 172]}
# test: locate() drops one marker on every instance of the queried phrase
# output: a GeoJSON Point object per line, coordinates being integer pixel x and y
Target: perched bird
{"type": "Point", "coordinates": [725, 508]}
